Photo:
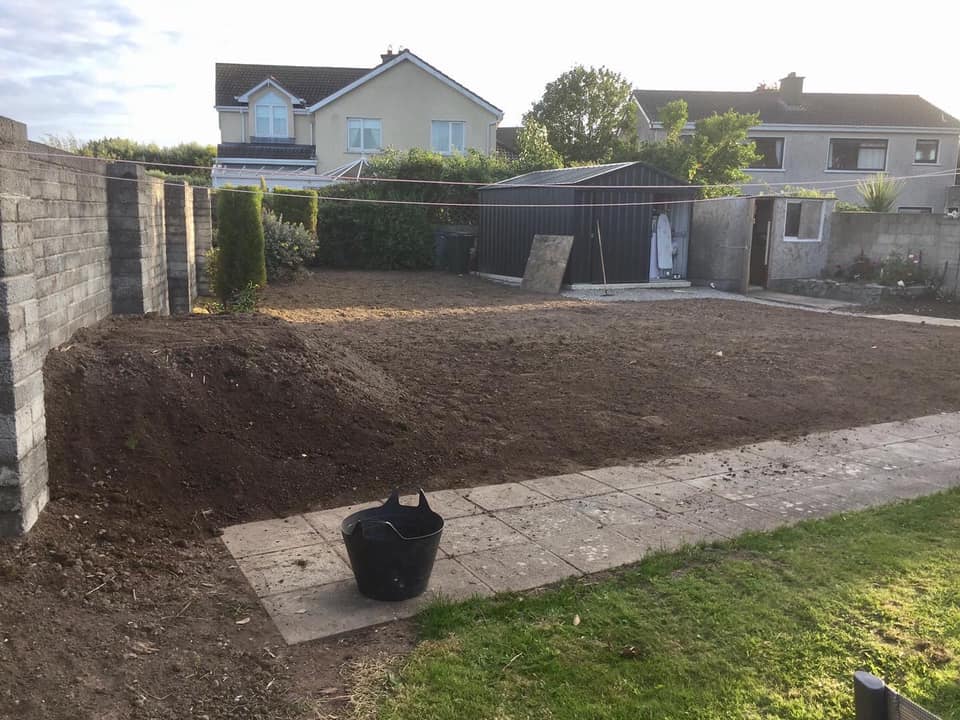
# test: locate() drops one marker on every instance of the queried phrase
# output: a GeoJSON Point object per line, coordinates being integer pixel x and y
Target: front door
{"type": "Point", "coordinates": [759, 245]}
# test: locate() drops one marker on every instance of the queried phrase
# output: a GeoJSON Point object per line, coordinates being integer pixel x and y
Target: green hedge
{"type": "Point", "coordinates": [296, 206]}
{"type": "Point", "coordinates": [240, 239]}
{"type": "Point", "coordinates": [372, 236]}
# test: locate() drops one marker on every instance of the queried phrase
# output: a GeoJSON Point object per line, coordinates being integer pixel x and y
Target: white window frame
{"type": "Point", "coordinates": [449, 124]}
{"type": "Point", "coordinates": [936, 162]}
{"type": "Point", "coordinates": [363, 121]}
{"type": "Point", "coordinates": [272, 117]}
{"type": "Point", "coordinates": [915, 209]}
{"type": "Point", "coordinates": [823, 219]}
{"type": "Point", "coordinates": [886, 154]}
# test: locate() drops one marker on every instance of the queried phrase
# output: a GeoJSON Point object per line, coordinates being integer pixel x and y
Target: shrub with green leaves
{"type": "Point", "coordinates": [240, 261]}
{"type": "Point", "coordinates": [296, 206]}
{"type": "Point", "coordinates": [287, 247]}
{"type": "Point", "coordinates": [879, 192]}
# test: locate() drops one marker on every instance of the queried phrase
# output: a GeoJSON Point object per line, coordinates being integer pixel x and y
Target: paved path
{"type": "Point", "coordinates": [519, 536]}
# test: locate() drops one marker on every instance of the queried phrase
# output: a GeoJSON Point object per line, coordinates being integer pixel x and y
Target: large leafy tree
{"type": "Point", "coordinates": [589, 115]}
{"type": "Point", "coordinates": [535, 149]}
{"type": "Point", "coordinates": [715, 155]}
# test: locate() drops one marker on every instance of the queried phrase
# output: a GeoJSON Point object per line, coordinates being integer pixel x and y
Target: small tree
{"type": "Point", "coordinates": [535, 149]}
{"type": "Point", "coordinates": [240, 261]}
{"type": "Point", "coordinates": [589, 114]}
{"type": "Point", "coordinates": [879, 192]}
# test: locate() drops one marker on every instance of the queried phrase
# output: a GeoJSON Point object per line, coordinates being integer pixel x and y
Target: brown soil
{"type": "Point", "coordinates": [943, 308]}
{"type": "Point", "coordinates": [121, 604]}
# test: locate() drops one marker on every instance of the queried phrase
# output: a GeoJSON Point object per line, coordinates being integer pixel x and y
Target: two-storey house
{"type": "Point", "coordinates": [306, 126]}
{"type": "Point", "coordinates": [830, 140]}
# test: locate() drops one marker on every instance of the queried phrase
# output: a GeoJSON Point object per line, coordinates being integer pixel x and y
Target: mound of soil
{"type": "Point", "coordinates": [205, 421]}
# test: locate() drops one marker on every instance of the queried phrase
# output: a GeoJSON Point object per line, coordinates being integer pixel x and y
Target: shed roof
{"type": "Point", "coordinates": [576, 176]}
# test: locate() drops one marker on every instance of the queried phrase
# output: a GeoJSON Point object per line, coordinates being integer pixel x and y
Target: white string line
{"type": "Point", "coordinates": [424, 203]}
{"type": "Point", "coordinates": [745, 184]}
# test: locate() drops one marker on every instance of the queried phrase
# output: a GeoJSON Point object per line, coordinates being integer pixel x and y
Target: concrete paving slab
{"type": "Point", "coordinates": [545, 521]}
{"type": "Point", "coordinates": [779, 451]}
{"type": "Point", "coordinates": [940, 423]}
{"type": "Point", "coordinates": [918, 319]}
{"type": "Point", "coordinates": [517, 567]}
{"type": "Point", "coordinates": [863, 493]}
{"type": "Point", "coordinates": [835, 468]}
{"type": "Point", "coordinates": [448, 504]}
{"type": "Point", "coordinates": [257, 538]}
{"type": "Point", "coordinates": [751, 482]}
{"type": "Point", "coordinates": [476, 533]}
{"type": "Point", "coordinates": [613, 508]}
{"type": "Point", "coordinates": [907, 429]}
{"type": "Point", "coordinates": [565, 487]}
{"type": "Point", "coordinates": [950, 441]}
{"type": "Point", "coordinates": [839, 442]}
{"type": "Point", "coordinates": [666, 532]}
{"type": "Point", "coordinates": [502, 497]}
{"type": "Point", "coordinates": [943, 475]}
{"type": "Point", "coordinates": [596, 550]}
{"type": "Point", "coordinates": [794, 506]}
{"type": "Point", "coordinates": [897, 456]}
{"type": "Point", "coordinates": [294, 569]}
{"type": "Point", "coordinates": [687, 467]}
{"type": "Point", "coordinates": [674, 497]}
{"type": "Point", "coordinates": [730, 518]}
{"type": "Point", "coordinates": [335, 608]}
{"type": "Point", "coordinates": [627, 477]}
{"type": "Point", "coordinates": [327, 522]}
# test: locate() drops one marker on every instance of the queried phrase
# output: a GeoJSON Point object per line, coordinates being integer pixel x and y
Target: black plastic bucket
{"type": "Point", "coordinates": [392, 548]}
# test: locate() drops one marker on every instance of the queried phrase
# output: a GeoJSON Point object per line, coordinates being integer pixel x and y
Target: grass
{"type": "Point", "coordinates": [768, 626]}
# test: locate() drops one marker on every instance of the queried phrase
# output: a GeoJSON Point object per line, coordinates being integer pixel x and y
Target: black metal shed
{"type": "Point", "coordinates": [624, 198]}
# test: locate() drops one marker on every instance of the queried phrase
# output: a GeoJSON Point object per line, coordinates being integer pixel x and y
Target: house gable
{"type": "Point", "coordinates": [269, 83]}
{"type": "Point", "coordinates": [407, 56]}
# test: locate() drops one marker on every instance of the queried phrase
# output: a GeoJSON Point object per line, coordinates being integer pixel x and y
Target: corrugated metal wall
{"type": "Point", "coordinates": [506, 234]}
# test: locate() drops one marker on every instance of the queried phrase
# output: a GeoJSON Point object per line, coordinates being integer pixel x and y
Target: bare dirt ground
{"type": "Point", "coordinates": [934, 307]}
{"type": "Point", "coordinates": [122, 603]}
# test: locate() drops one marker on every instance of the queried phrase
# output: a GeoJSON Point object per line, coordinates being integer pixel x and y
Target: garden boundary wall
{"type": "Point", "coordinates": [876, 235]}
{"type": "Point", "coordinates": [80, 239]}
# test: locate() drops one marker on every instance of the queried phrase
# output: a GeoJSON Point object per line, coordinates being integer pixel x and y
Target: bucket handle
{"type": "Point", "coordinates": [393, 501]}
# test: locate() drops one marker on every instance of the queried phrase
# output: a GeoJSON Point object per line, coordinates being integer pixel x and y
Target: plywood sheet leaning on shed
{"type": "Point", "coordinates": [547, 263]}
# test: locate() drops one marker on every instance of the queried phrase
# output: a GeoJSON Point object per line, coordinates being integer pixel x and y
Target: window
{"type": "Point", "coordinates": [907, 210]}
{"type": "Point", "coordinates": [770, 151]}
{"type": "Point", "coordinates": [271, 117]}
{"type": "Point", "coordinates": [792, 228]}
{"type": "Point", "coordinates": [804, 220]}
{"type": "Point", "coordinates": [363, 135]}
{"type": "Point", "coordinates": [446, 137]}
{"type": "Point", "coordinates": [927, 152]}
{"type": "Point", "coordinates": [858, 155]}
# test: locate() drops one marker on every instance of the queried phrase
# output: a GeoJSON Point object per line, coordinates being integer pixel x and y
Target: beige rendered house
{"type": "Point", "coordinates": [300, 126]}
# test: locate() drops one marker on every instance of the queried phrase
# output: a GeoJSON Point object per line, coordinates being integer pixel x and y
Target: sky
{"type": "Point", "coordinates": [145, 70]}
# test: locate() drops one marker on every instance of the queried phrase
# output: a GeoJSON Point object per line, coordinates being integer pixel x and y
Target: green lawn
{"type": "Point", "coordinates": [768, 626]}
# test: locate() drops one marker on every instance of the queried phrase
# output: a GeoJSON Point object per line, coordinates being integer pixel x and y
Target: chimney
{"type": "Point", "coordinates": [791, 90]}
{"type": "Point", "coordinates": [388, 55]}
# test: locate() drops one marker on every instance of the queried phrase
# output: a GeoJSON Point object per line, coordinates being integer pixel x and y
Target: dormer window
{"type": "Point", "coordinates": [270, 115]}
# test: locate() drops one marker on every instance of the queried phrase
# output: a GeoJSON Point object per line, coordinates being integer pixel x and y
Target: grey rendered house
{"type": "Point", "coordinates": [833, 139]}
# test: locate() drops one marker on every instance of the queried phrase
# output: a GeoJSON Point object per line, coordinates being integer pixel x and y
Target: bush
{"type": "Point", "coordinates": [287, 247]}
{"type": "Point", "coordinates": [897, 268]}
{"type": "Point", "coordinates": [296, 206]}
{"type": "Point", "coordinates": [879, 192]}
{"type": "Point", "coordinates": [240, 260]}
{"type": "Point", "coordinates": [370, 236]}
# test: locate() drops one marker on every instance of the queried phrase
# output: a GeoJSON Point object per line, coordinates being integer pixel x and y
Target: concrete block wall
{"type": "Point", "coordinates": [877, 235]}
{"type": "Point", "coordinates": [181, 248]}
{"type": "Point", "coordinates": [203, 235]}
{"type": "Point", "coordinates": [719, 251]}
{"type": "Point", "coordinates": [138, 241]}
{"type": "Point", "coordinates": [23, 452]}
{"type": "Point", "coordinates": [79, 239]}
